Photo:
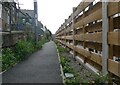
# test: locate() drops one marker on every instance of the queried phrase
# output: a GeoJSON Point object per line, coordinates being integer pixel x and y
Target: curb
{"type": "Point", "coordinates": [3, 72]}
{"type": "Point", "coordinates": [61, 69]}
{"type": "Point", "coordinates": [9, 68]}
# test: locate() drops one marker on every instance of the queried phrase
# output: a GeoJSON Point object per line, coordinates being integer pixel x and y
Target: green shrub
{"type": "Point", "coordinates": [64, 61]}
{"type": "Point", "coordinates": [8, 58]}
{"type": "Point", "coordinates": [37, 45]}
{"type": "Point", "coordinates": [101, 78]}
{"type": "Point", "coordinates": [23, 48]}
{"type": "Point", "coordinates": [67, 69]}
{"type": "Point", "coordinates": [61, 49]}
{"type": "Point", "coordinates": [73, 81]}
{"type": "Point", "coordinates": [20, 52]}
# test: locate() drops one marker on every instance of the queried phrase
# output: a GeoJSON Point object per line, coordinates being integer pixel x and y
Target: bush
{"type": "Point", "coordinates": [101, 79]}
{"type": "Point", "coordinates": [72, 81]}
{"type": "Point", "coordinates": [22, 49]}
{"type": "Point", "coordinates": [8, 59]}
{"type": "Point", "coordinates": [61, 49]}
{"type": "Point", "coordinates": [65, 62]}
{"type": "Point", "coordinates": [37, 45]}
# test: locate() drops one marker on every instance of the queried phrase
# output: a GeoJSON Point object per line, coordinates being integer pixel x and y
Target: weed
{"type": "Point", "coordinates": [101, 78]}
{"type": "Point", "coordinates": [61, 49]}
{"type": "Point", "coordinates": [65, 61]}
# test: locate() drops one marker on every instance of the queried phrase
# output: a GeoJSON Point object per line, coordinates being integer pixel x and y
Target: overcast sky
{"type": "Point", "coordinates": [51, 13]}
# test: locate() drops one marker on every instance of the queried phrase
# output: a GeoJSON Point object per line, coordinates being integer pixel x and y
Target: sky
{"type": "Point", "coordinates": [52, 13]}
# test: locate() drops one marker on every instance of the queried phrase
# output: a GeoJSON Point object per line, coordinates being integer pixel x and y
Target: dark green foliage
{"type": "Point", "coordinates": [22, 49]}
{"type": "Point", "coordinates": [8, 58]}
{"type": "Point", "coordinates": [74, 81]}
{"type": "Point", "coordinates": [37, 45]}
{"type": "Point", "coordinates": [61, 49]}
{"type": "Point", "coordinates": [65, 61]}
{"type": "Point", "coordinates": [101, 79]}
{"type": "Point", "coordinates": [65, 64]}
{"type": "Point", "coordinates": [67, 69]}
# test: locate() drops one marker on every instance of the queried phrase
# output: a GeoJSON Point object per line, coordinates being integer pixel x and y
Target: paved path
{"type": "Point", "coordinates": [41, 67]}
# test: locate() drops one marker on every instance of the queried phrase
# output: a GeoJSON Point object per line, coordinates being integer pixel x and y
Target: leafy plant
{"type": "Point", "coordinates": [101, 78]}
{"type": "Point", "coordinates": [61, 49]}
{"type": "Point", "coordinates": [68, 69]}
{"type": "Point", "coordinates": [73, 81]}
{"type": "Point", "coordinates": [20, 52]}
{"type": "Point", "coordinates": [64, 61]}
{"type": "Point", "coordinates": [23, 48]}
{"type": "Point", "coordinates": [8, 59]}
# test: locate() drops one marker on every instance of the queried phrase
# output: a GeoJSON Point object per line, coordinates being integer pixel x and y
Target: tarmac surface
{"type": "Point", "coordinates": [40, 67]}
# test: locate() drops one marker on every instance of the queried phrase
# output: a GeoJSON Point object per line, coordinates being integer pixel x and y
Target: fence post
{"type": "Point", "coordinates": [0, 16]}
{"type": "Point", "coordinates": [0, 39]}
{"type": "Point", "coordinates": [36, 20]}
{"type": "Point", "coordinates": [74, 53]}
{"type": "Point", "coordinates": [65, 31]}
{"type": "Point", "coordinates": [105, 28]}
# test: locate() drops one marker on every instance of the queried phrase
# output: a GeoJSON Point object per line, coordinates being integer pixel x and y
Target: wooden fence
{"type": "Point", "coordinates": [83, 33]}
